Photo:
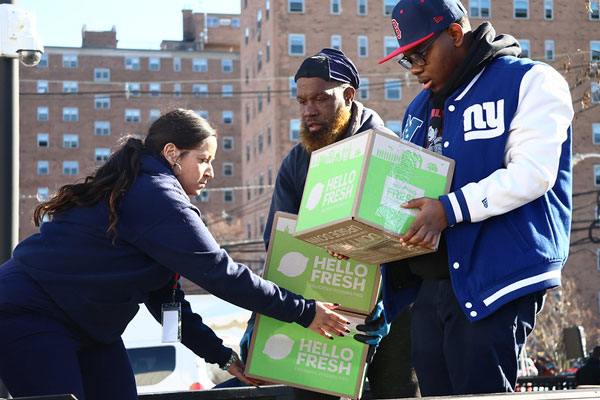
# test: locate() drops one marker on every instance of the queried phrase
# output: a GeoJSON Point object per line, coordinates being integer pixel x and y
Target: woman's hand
{"type": "Point", "coordinates": [327, 323]}
{"type": "Point", "coordinates": [338, 255]}
{"type": "Point", "coordinates": [237, 369]}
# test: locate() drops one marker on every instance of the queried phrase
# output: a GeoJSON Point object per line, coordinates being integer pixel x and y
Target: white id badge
{"type": "Point", "coordinates": [171, 322]}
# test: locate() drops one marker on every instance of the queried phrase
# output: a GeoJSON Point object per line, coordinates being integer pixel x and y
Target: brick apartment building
{"type": "Point", "coordinates": [266, 45]}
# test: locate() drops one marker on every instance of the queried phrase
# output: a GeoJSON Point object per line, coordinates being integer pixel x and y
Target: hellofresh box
{"type": "Point", "coordinates": [311, 272]}
{"type": "Point", "coordinates": [354, 190]}
{"type": "Point", "coordinates": [288, 353]}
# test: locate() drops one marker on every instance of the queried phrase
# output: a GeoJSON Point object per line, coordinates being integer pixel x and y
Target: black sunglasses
{"type": "Point", "coordinates": [417, 58]}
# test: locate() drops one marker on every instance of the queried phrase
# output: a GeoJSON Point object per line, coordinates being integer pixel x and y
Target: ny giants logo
{"type": "Point", "coordinates": [396, 29]}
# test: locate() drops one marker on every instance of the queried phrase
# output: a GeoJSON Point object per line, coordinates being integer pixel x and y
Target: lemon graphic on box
{"type": "Point", "coordinates": [315, 196]}
{"type": "Point", "coordinates": [278, 347]}
{"type": "Point", "coordinates": [292, 264]}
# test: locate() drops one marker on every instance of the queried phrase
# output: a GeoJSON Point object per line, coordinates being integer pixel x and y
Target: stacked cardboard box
{"type": "Point", "coordinates": [354, 191]}
{"type": "Point", "coordinates": [290, 354]}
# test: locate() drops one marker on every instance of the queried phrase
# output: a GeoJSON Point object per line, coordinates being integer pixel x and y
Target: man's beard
{"type": "Point", "coordinates": [331, 131]}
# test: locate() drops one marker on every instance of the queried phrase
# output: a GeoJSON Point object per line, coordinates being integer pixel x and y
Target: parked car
{"type": "Point", "coordinates": [163, 367]}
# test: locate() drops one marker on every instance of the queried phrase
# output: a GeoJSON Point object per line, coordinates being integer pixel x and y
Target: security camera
{"type": "Point", "coordinates": [18, 37]}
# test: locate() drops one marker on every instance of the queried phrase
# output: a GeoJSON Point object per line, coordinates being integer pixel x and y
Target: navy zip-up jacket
{"type": "Point", "coordinates": [99, 284]}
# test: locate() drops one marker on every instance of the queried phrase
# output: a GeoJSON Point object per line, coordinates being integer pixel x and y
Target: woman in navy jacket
{"type": "Point", "coordinates": [120, 238]}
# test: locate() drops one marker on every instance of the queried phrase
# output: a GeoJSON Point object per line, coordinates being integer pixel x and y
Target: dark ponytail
{"type": "Point", "coordinates": [184, 128]}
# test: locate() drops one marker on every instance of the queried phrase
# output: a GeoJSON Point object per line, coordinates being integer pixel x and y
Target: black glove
{"type": "Point", "coordinates": [376, 328]}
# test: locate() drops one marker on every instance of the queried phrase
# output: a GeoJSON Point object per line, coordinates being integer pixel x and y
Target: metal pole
{"type": "Point", "coordinates": [9, 154]}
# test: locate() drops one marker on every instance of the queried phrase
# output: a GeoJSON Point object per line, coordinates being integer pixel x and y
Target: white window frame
{"type": "Point", "coordinates": [292, 87]}
{"type": "Point", "coordinates": [199, 65]}
{"type": "Point", "coordinates": [597, 175]}
{"type": "Point", "coordinates": [101, 154]}
{"type": "Point", "coordinates": [525, 45]}
{"type": "Point", "coordinates": [43, 61]}
{"type": "Point", "coordinates": [551, 8]}
{"type": "Point", "coordinates": [289, 6]}
{"type": "Point", "coordinates": [70, 87]}
{"type": "Point", "coordinates": [595, 92]}
{"type": "Point", "coordinates": [101, 102]}
{"type": "Point", "coordinates": [296, 36]}
{"type": "Point", "coordinates": [388, 83]}
{"type": "Point", "coordinates": [70, 114]}
{"type": "Point", "coordinates": [176, 64]}
{"type": "Point", "coordinates": [43, 193]}
{"type": "Point", "coordinates": [226, 91]}
{"type": "Point", "coordinates": [70, 141]}
{"type": "Point", "coordinates": [202, 114]}
{"type": "Point", "coordinates": [177, 90]}
{"type": "Point", "coordinates": [515, 9]}
{"type": "Point", "coordinates": [358, 3]}
{"type": "Point", "coordinates": [70, 61]}
{"type": "Point", "coordinates": [153, 114]}
{"type": "Point", "coordinates": [227, 117]}
{"type": "Point", "coordinates": [595, 50]}
{"type": "Point", "coordinates": [363, 89]}
{"type": "Point", "coordinates": [231, 193]}
{"type": "Point", "coordinates": [203, 197]}
{"type": "Point", "coordinates": [333, 4]}
{"type": "Point", "coordinates": [43, 167]}
{"type": "Point", "coordinates": [132, 63]}
{"type": "Point", "coordinates": [595, 14]}
{"type": "Point", "coordinates": [386, 4]}
{"type": "Point", "coordinates": [336, 42]}
{"type": "Point", "coordinates": [482, 12]}
{"type": "Point", "coordinates": [101, 75]}
{"type": "Point", "coordinates": [390, 44]}
{"type": "Point", "coordinates": [101, 128]}
{"type": "Point", "coordinates": [294, 127]}
{"type": "Point", "coordinates": [133, 89]}
{"type": "Point", "coordinates": [596, 131]}
{"type": "Point", "coordinates": [200, 90]}
{"type": "Point", "coordinates": [549, 47]}
{"type": "Point", "coordinates": [133, 115]}
{"type": "Point", "coordinates": [43, 114]}
{"type": "Point", "coordinates": [227, 169]}
{"type": "Point", "coordinates": [228, 143]}
{"type": "Point", "coordinates": [154, 89]}
{"type": "Point", "coordinates": [227, 65]}
{"type": "Point", "coordinates": [70, 168]}
{"type": "Point", "coordinates": [42, 86]}
{"type": "Point", "coordinates": [43, 140]}
{"type": "Point", "coordinates": [364, 39]}
{"type": "Point", "coordinates": [153, 63]}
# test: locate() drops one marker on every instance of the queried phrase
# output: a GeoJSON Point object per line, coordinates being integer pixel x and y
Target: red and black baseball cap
{"type": "Point", "coordinates": [415, 21]}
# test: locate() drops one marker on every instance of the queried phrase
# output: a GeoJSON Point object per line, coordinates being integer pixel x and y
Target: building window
{"type": "Point", "coordinates": [267, 8]}
{"type": "Point", "coordinates": [43, 167]}
{"type": "Point", "coordinates": [154, 115]}
{"type": "Point", "coordinates": [203, 197]}
{"type": "Point", "coordinates": [335, 7]}
{"type": "Point", "coordinates": [270, 176]}
{"type": "Point", "coordinates": [596, 175]}
{"type": "Point", "coordinates": [363, 90]}
{"type": "Point", "coordinates": [200, 91]}
{"type": "Point", "coordinates": [247, 113]}
{"type": "Point", "coordinates": [132, 63]}
{"type": "Point", "coordinates": [101, 75]}
{"type": "Point", "coordinates": [247, 152]}
{"type": "Point", "coordinates": [294, 129]}
{"type": "Point", "coordinates": [268, 53]}
{"type": "Point", "coordinates": [70, 114]}
{"type": "Point", "coordinates": [259, 61]}
{"type": "Point", "coordinates": [260, 102]}
{"type": "Point", "coordinates": [43, 140]}
{"type": "Point", "coordinates": [235, 22]}
{"type": "Point", "coordinates": [293, 88]}
{"type": "Point", "coordinates": [249, 228]}
{"type": "Point", "coordinates": [70, 87]}
{"type": "Point", "coordinates": [227, 169]}
{"type": "Point", "coordinates": [258, 25]}
{"type": "Point", "coordinates": [227, 65]}
{"type": "Point", "coordinates": [548, 9]}
{"type": "Point", "coordinates": [246, 34]}
{"type": "Point", "coordinates": [154, 64]}
{"type": "Point", "coordinates": [393, 89]}
{"type": "Point", "coordinates": [595, 50]}
{"type": "Point", "coordinates": [42, 113]}
{"type": "Point", "coordinates": [479, 8]}
{"type": "Point", "coordinates": [521, 9]}
{"type": "Point", "coordinates": [388, 6]}
{"type": "Point", "coordinates": [296, 44]}
{"type": "Point", "coordinates": [595, 89]}
{"type": "Point", "coordinates": [69, 61]}
{"type": "Point", "coordinates": [228, 196]}
{"type": "Point", "coordinates": [261, 222]}
{"type": "Point", "coordinates": [390, 44]}
{"type": "Point", "coordinates": [361, 7]}
{"type": "Point", "coordinates": [227, 117]}
{"type": "Point", "coordinates": [595, 14]}
{"type": "Point", "coordinates": [154, 89]}
{"type": "Point", "coordinates": [202, 114]}
{"type": "Point", "coordinates": [268, 93]}
{"type": "Point", "coordinates": [101, 154]}
{"type": "Point", "coordinates": [269, 135]}
{"type": "Point", "coordinates": [212, 22]}
{"type": "Point", "coordinates": [101, 102]}
{"type": "Point", "coordinates": [525, 48]}
{"type": "Point", "coordinates": [261, 183]}
{"type": "Point", "coordinates": [394, 126]}
{"type": "Point", "coordinates": [549, 50]}
{"type": "Point", "coordinates": [363, 46]}
{"type": "Point", "coordinates": [132, 115]}
{"type": "Point", "coordinates": [177, 90]}
{"type": "Point", "coordinates": [132, 89]}
{"type": "Point", "coordinates": [176, 64]}
{"type": "Point", "coordinates": [70, 141]}
{"type": "Point", "coordinates": [226, 91]}
{"type": "Point", "coordinates": [260, 143]}
{"type": "Point", "coordinates": [42, 86]}
{"type": "Point", "coordinates": [296, 6]}
{"type": "Point", "coordinates": [70, 167]}
{"type": "Point", "coordinates": [227, 143]}
{"type": "Point", "coordinates": [43, 194]}
{"type": "Point", "coordinates": [596, 132]}
{"type": "Point", "coordinates": [43, 61]}
{"type": "Point", "coordinates": [336, 42]}
{"type": "Point", "coordinates": [199, 65]}
{"type": "Point", "coordinates": [102, 128]}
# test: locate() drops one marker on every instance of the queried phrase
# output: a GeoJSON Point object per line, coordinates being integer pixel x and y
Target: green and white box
{"type": "Point", "coordinates": [354, 190]}
{"type": "Point", "coordinates": [311, 272]}
{"type": "Point", "coordinates": [287, 353]}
